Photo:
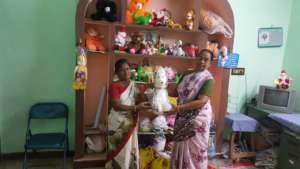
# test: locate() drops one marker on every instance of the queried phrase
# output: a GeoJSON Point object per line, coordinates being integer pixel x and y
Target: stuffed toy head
{"type": "Point", "coordinates": [136, 12]}
{"type": "Point", "coordinates": [190, 18]}
{"type": "Point", "coordinates": [161, 78]}
{"type": "Point", "coordinates": [106, 10]}
{"type": "Point", "coordinates": [137, 5]}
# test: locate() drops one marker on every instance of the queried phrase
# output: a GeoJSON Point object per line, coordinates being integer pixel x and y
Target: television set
{"type": "Point", "coordinates": [277, 100]}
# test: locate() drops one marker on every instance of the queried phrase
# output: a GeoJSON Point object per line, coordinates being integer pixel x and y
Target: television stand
{"type": "Point", "coordinates": [262, 116]}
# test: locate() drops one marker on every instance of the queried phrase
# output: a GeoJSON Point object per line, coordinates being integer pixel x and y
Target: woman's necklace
{"type": "Point", "coordinates": [124, 83]}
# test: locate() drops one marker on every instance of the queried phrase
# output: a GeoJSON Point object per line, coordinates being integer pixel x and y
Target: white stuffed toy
{"type": "Point", "coordinates": [160, 102]}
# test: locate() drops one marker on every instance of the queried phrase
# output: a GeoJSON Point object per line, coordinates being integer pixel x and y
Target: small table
{"type": "Point", "coordinates": [237, 122]}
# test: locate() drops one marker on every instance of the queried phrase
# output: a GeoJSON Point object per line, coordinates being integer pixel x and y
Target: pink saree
{"type": "Point", "coordinates": [192, 127]}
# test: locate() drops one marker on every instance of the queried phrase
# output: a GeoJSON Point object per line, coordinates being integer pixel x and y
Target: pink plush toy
{"type": "Point", "coordinates": [170, 73]}
{"type": "Point", "coordinates": [170, 120]}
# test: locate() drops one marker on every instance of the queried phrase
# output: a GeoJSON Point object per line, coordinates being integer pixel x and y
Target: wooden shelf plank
{"type": "Point", "coordinates": [158, 28]}
{"type": "Point", "coordinates": [92, 157]}
{"type": "Point", "coordinates": [99, 22]}
{"type": "Point", "coordinates": [152, 56]}
{"type": "Point", "coordinates": [141, 27]}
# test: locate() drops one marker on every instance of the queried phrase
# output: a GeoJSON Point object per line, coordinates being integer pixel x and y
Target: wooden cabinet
{"type": "Point", "coordinates": [100, 66]}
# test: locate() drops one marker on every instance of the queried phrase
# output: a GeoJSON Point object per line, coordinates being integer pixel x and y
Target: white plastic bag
{"type": "Point", "coordinates": [211, 23]}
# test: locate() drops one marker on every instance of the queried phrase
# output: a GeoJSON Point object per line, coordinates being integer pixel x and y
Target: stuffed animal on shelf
{"type": "Point", "coordinates": [93, 41]}
{"type": "Point", "coordinates": [160, 17]}
{"type": "Point", "coordinates": [224, 55]}
{"type": "Point", "coordinates": [136, 45]}
{"type": "Point", "coordinates": [140, 73]}
{"type": "Point", "coordinates": [105, 10]}
{"type": "Point", "coordinates": [177, 50]}
{"type": "Point", "coordinates": [190, 50]}
{"type": "Point", "coordinates": [121, 40]}
{"type": "Point", "coordinates": [283, 81]}
{"type": "Point", "coordinates": [149, 74]}
{"type": "Point", "coordinates": [171, 24]}
{"type": "Point", "coordinates": [190, 20]}
{"type": "Point", "coordinates": [160, 102]}
{"type": "Point", "coordinates": [213, 47]}
{"type": "Point", "coordinates": [80, 72]}
{"type": "Point", "coordinates": [136, 12]}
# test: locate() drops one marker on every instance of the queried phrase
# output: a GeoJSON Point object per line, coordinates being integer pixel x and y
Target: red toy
{"type": "Point", "coordinates": [283, 81]}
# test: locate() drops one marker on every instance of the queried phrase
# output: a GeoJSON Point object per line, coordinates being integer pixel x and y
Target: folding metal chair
{"type": "Point", "coordinates": [47, 141]}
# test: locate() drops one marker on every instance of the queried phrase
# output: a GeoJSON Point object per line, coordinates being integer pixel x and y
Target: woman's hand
{"type": "Point", "coordinates": [143, 106]}
{"type": "Point", "coordinates": [173, 110]}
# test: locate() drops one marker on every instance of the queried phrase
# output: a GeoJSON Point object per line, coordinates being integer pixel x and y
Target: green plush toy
{"type": "Point", "coordinates": [141, 20]}
{"type": "Point", "coordinates": [140, 73]}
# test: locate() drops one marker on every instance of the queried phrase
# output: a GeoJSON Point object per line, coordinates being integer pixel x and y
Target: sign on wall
{"type": "Point", "coordinates": [270, 37]}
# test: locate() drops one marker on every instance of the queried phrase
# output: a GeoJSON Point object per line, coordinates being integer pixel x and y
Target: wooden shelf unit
{"type": "Point", "coordinates": [100, 65]}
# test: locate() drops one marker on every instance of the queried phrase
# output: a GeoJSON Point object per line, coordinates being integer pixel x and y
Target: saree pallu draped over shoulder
{"type": "Point", "coordinates": [191, 131]}
{"type": "Point", "coordinates": [123, 143]}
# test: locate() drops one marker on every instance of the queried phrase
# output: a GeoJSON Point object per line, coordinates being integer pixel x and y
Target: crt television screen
{"type": "Point", "coordinates": [276, 97]}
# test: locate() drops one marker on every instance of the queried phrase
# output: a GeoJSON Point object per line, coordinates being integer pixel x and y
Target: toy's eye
{"type": "Point", "coordinates": [107, 9]}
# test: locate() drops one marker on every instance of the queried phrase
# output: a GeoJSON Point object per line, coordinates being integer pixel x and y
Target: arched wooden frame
{"type": "Point", "coordinates": [220, 98]}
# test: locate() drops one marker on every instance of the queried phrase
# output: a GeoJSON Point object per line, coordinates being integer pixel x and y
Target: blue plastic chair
{"type": "Point", "coordinates": [47, 141]}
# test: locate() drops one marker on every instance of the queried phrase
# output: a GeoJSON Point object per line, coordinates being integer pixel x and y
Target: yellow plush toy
{"type": "Point", "coordinates": [146, 157]}
{"type": "Point", "coordinates": [172, 100]}
{"type": "Point", "coordinates": [80, 72]}
{"type": "Point", "coordinates": [160, 163]}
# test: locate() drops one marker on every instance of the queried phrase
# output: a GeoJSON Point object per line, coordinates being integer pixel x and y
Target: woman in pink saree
{"type": "Point", "coordinates": [193, 116]}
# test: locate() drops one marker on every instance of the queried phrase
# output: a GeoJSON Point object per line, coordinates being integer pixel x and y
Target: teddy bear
{"type": "Point", "coordinates": [105, 10]}
{"type": "Point", "coordinates": [136, 12]}
{"type": "Point", "coordinates": [190, 20]}
{"type": "Point", "coordinates": [93, 41]}
{"type": "Point", "coordinates": [283, 81]}
{"type": "Point", "coordinates": [136, 45]}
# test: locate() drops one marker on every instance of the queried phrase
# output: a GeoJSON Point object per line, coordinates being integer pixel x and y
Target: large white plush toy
{"type": "Point", "coordinates": [160, 102]}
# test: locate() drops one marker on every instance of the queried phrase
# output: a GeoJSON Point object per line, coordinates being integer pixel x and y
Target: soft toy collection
{"type": "Point", "coordinates": [106, 10]}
